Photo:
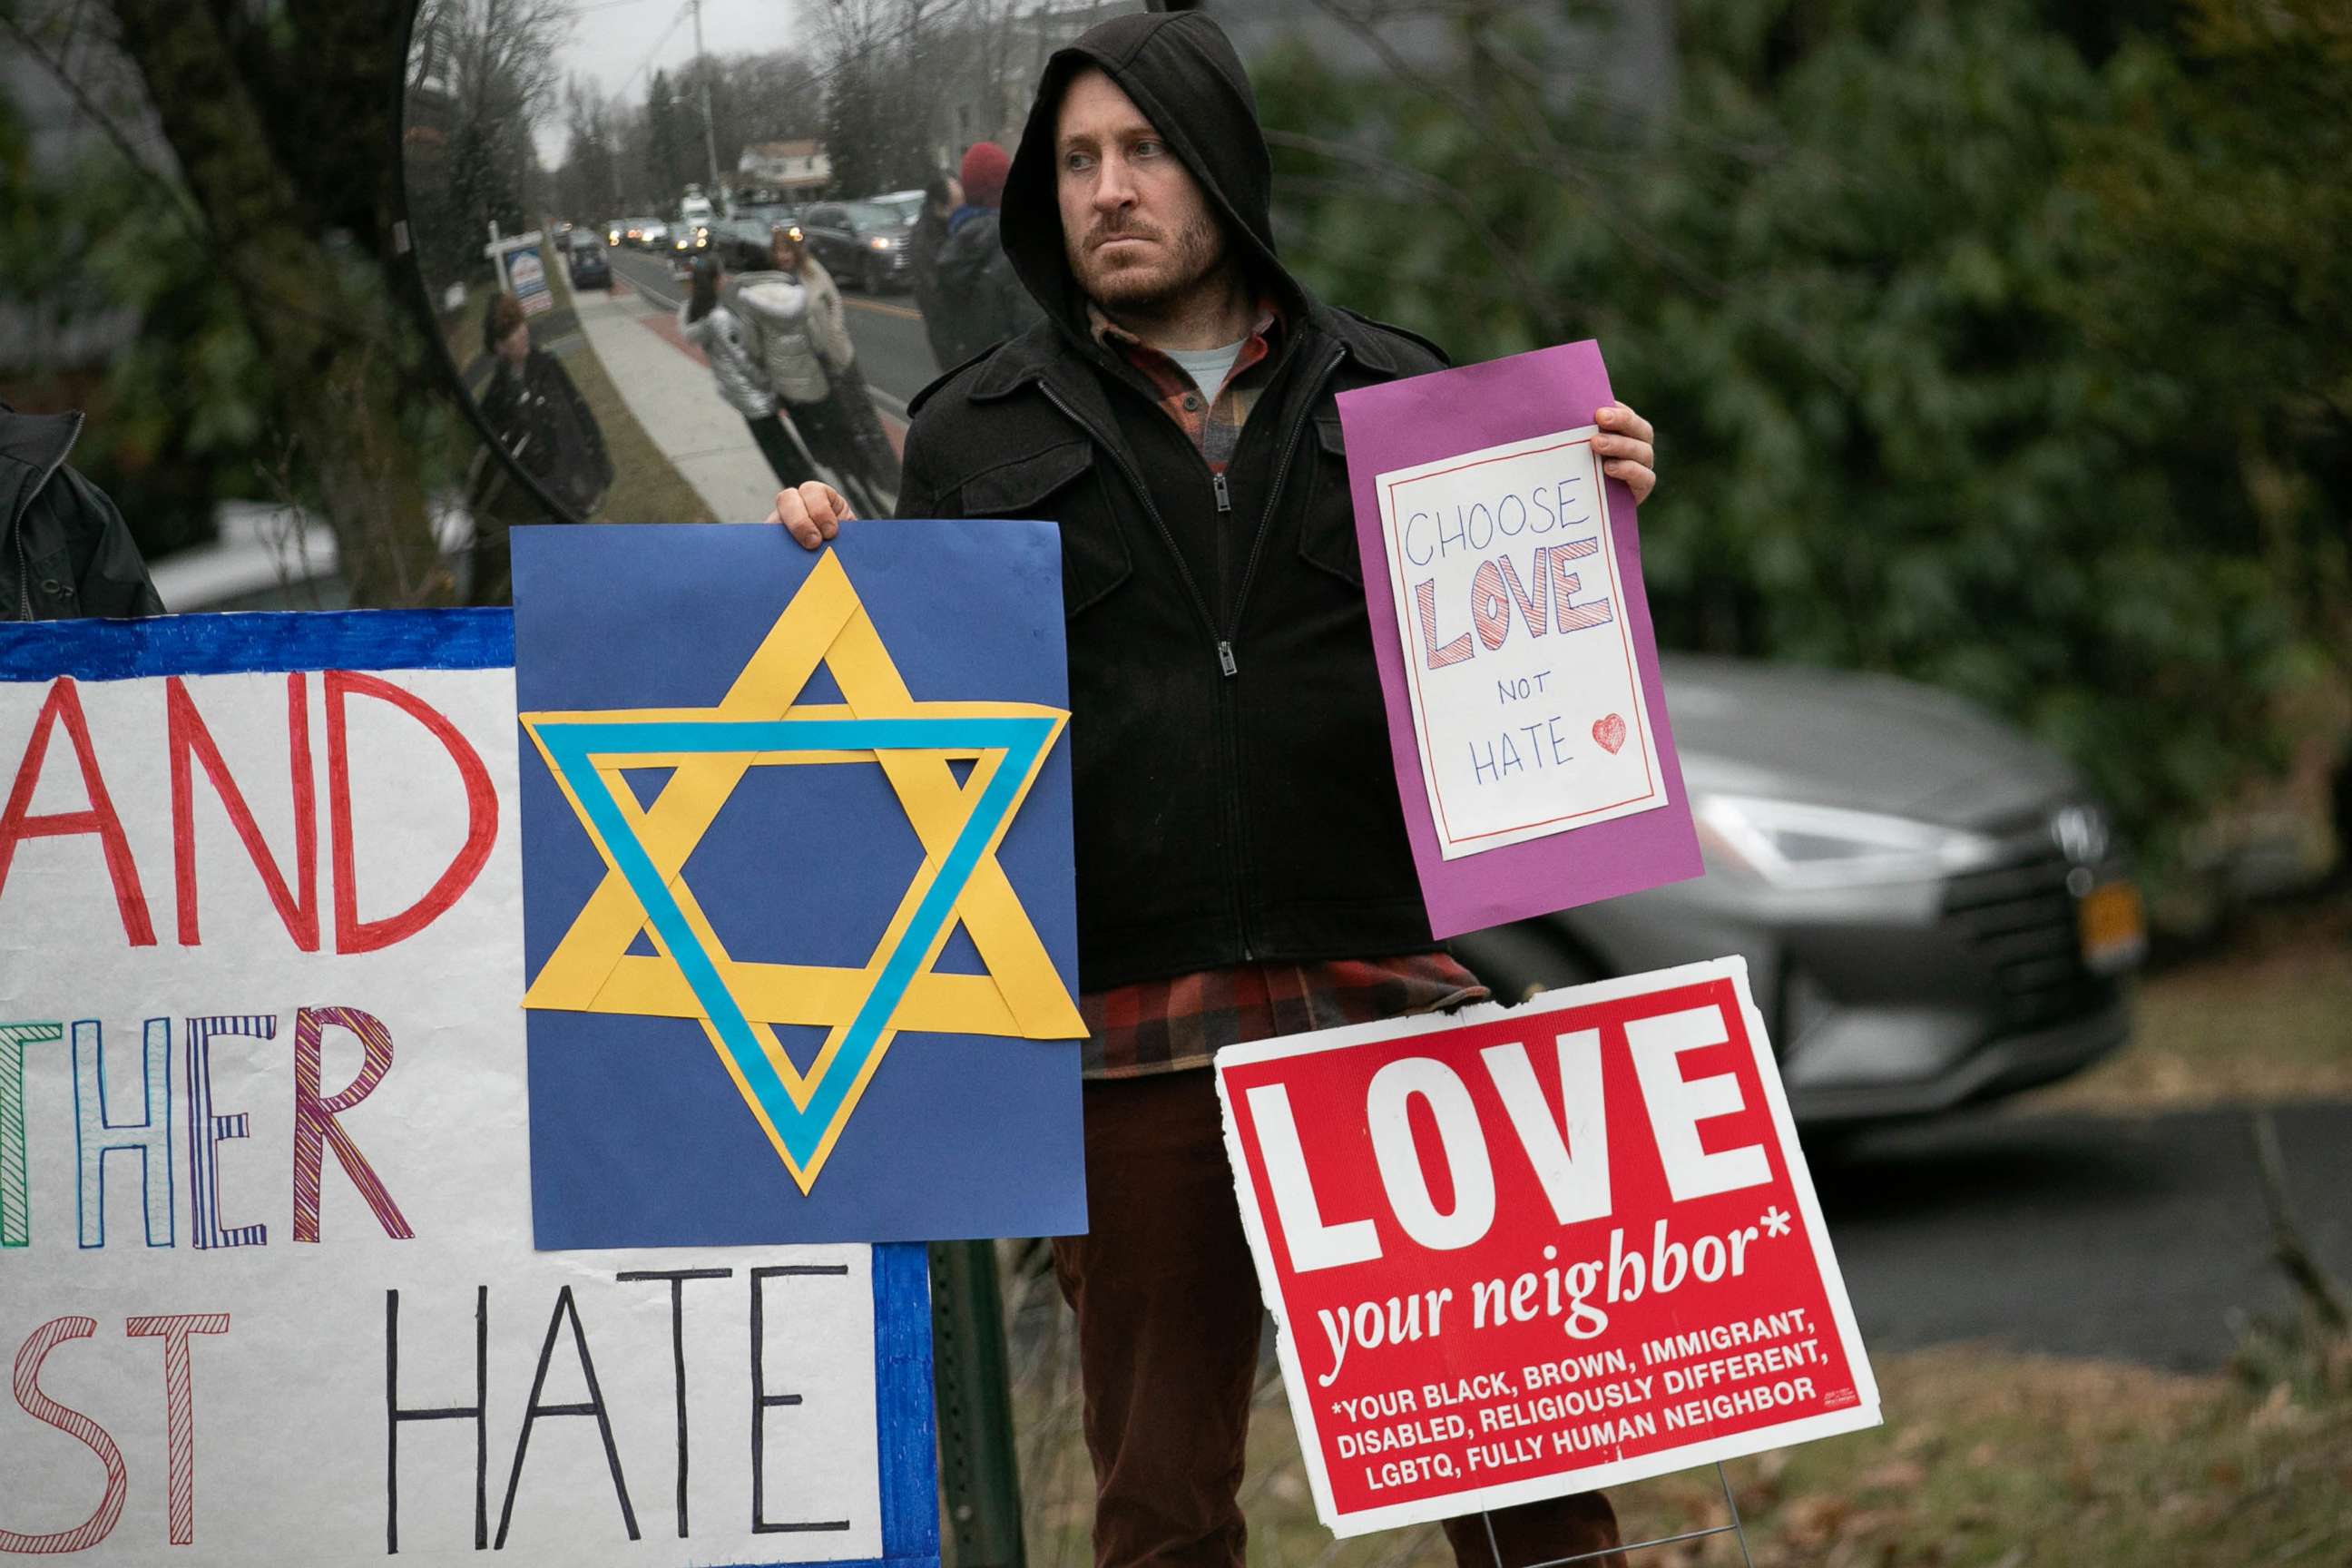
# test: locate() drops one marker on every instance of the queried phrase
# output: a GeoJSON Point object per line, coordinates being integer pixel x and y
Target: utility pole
{"type": "Point", "coordinates": [709, 143]}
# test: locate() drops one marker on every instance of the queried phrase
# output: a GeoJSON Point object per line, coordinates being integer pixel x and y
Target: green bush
{"type": "Point", "coordinates": [1930, 398]}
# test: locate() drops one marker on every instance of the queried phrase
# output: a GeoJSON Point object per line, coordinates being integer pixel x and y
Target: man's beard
{"type": "Point", "coordinates": [1193, 254]}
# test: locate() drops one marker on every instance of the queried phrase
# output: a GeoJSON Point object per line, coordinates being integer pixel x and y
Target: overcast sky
{"type": "Point", "coordinates": [618, 43]}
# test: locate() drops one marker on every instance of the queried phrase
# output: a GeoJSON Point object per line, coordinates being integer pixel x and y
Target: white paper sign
{"type": "Point", "coordinates": [266, 1277]}
{"type": "Point", "coordinates": [1527, 699]}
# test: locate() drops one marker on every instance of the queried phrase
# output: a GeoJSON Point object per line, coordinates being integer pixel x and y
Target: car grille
{"type": "Point", "coordinates": [2020, 915]}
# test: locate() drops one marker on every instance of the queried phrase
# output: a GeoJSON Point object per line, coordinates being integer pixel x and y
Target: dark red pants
{"type": "Point", "coordinates": [1168, 1308]}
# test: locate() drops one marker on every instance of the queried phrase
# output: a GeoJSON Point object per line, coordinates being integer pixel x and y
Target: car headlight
{"type": "Point", "coordinates": [883, 244]}
{"type": "Point", "coordinates": [1798, 845]}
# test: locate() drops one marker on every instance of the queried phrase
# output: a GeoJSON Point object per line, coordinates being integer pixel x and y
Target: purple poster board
{"type": "Point", "coordinates": [1523, 862]}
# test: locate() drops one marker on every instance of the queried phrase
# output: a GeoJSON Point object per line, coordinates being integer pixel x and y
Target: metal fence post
{"type": "Point", "coordinates": [980, 1476]}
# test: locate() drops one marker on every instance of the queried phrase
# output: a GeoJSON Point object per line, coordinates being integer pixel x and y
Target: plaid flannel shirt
{"type": "Point", "coordinates": [1163, 1026]}
{"type": "Point", "coordinates": [1214, 423]}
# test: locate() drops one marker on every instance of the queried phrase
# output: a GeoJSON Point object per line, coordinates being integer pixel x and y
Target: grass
{"type": "Point", "coordinates": [1989, 1459]}
{"type": "Point", "coordinates": [2266, 1017]}
{"type": "Point", "coordinates": [645, 488]}
{"type": "Point", "coordinates": [2002, 1460]}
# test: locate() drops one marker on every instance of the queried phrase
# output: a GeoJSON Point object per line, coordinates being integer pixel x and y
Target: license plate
{"type": "Point", "coordinates": [2114, 928]}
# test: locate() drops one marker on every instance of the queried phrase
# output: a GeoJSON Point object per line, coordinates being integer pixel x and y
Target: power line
{"type": "Point", "coordinates": [624, 90]}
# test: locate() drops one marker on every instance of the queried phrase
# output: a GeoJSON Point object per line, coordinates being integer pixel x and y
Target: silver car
{"type": "Point", "coordinates": [1933, 907]}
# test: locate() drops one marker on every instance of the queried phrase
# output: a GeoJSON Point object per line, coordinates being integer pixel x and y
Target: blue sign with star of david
{"type": "Point", "coordinates": [799, 952]}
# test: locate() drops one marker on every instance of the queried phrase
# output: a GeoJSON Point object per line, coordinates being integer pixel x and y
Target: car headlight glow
{"type": "Point", "coordinates": [880, 243]}
{"type": "Point", "coordinates": [1798, 845]}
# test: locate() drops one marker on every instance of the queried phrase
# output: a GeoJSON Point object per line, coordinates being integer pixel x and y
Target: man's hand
{"type": "Point", "coordinates": [814, 512]}
{"type": "Point", "coordinates": [1624, 444]}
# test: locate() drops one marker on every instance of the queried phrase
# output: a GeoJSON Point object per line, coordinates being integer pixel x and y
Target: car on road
{"type": "Point", "coordinates": [585, 253]}
{"type": "Point", "coordinates": [1935, 909]}
{"type": "Point", "coordinates": [765, 204]}
{"type": "Point", "coordinates": [742, 242]}
{"type": "Point", "coordinates": [649, 233]}
{"type": "Point", "coordinates": [864, 243]}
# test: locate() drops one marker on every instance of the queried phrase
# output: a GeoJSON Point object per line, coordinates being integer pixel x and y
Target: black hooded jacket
{"type": "Point", "coordinates": [1236, 798]}
{"type": "Point", "coordinates": [65, 551]}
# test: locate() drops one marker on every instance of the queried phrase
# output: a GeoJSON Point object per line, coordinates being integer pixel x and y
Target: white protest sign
{"type": "Point", "coordinates": [266, 1277]}
{"type": "Point", "coordinates": [1520, 665]}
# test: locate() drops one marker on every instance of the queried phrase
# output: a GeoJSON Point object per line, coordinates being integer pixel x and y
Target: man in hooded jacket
{"type": "Point", "coordinates": [1243, 867]}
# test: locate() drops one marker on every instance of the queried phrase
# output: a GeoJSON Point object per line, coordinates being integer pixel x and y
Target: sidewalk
{"type": "Point", "coordinates": [670, 389]}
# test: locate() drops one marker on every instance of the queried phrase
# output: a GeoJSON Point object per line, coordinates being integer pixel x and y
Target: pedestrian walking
{"type": "Point", "coordinates": [795, 313]}
{"type": "Point", "coordinates": [710, 325]}
{"type": "Point", "coordinates": [1242, 860]}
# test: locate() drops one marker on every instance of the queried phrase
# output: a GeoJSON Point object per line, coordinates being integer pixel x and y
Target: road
{"type": "Point", "coordinates": [2142, 1238]}
{"type": "Point", "coordinates": [892, 348]}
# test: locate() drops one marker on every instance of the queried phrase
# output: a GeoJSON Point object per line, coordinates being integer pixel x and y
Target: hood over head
{"type": "Point", "coordinates": [1184, 75]}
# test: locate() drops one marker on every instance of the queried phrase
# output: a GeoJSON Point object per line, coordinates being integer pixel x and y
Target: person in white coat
{"type": "Point", "coordinates": [736, 365]}
{"type": "Point", "coordinates": [794, 313]}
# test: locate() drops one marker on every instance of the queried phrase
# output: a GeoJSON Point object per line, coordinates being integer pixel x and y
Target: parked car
{"type": "Point", "coordinates": [864, 243]}
{"type": "Point", "coordinates": [1933, 908]}
{"type": "Point", "coordinates": [585, 252]}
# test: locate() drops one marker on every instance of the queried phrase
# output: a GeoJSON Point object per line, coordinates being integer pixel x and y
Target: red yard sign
{"type": "Point", "coordinates": [1521, 1252]}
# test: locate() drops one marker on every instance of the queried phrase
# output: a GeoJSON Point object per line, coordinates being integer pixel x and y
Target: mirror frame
{"type": "Point", "coordinates": [409, 274]}
{"type": "Point", "coordinates": [409, 279]}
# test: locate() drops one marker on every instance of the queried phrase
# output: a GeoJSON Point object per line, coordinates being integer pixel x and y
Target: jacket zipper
{"type": "Point", "coordinates": [1265, 515]}
{"type": "Point", "coordinates": [1209, 620]}
{"type": "Point", "coordinates": [1228, 666]}
{"type": "Point", "coordinates": [1151, 509]}
{"type": "Point", "coordinates": [1243, 868]}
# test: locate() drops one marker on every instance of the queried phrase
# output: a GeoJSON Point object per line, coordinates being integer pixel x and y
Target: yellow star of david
{"type": "Point", "coordinates": [759, 723]}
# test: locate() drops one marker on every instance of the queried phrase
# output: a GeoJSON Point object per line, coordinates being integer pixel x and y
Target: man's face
{"type": "Point", "coordinates": [515, 347]}
{"type": "Point", "coordinates": [1135, 224]}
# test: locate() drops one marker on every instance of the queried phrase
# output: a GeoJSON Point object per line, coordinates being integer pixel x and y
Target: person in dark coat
{"type": "Point", "coordinates": [539, 417]}
{"type": "Point", "coordinates": [942, 197]}
{"type": "Point", "coordinates": [981, 303]}
{"type": "Point", "coordinates": [543, 423]}
{"type": "Point", "coordinates": [1242, 861]}
{"type": "Point", "coordinates": [66, 551]}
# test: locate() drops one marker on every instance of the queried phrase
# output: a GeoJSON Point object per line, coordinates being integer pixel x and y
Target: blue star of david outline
{"type": "Point", "coordinates": [574, 747]}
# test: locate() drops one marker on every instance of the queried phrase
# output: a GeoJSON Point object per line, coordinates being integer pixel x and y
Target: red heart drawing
{"type": "Point", "coordinates": [1609, 732]}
